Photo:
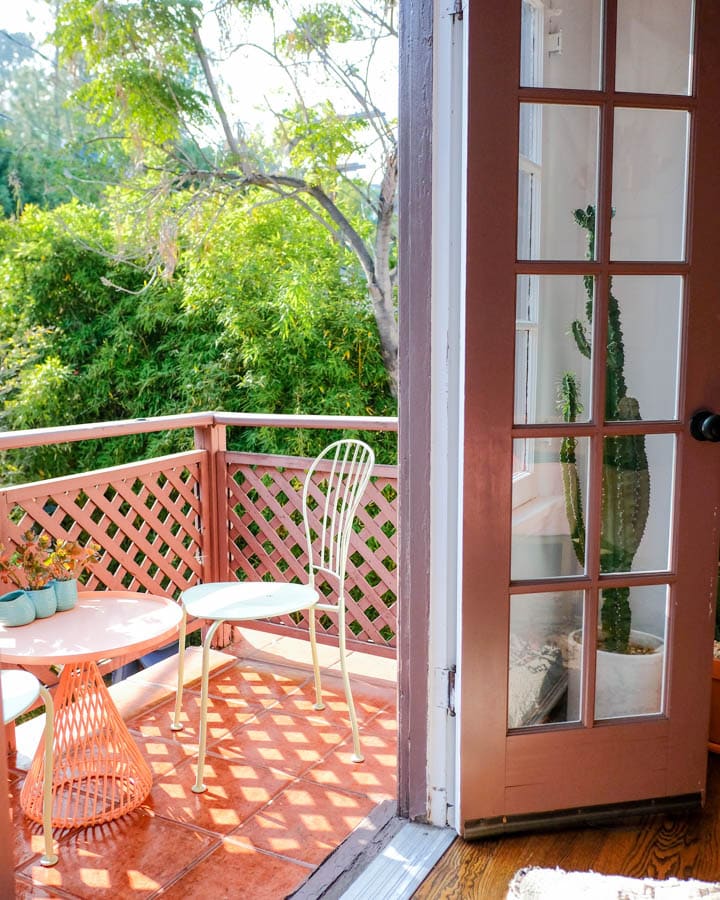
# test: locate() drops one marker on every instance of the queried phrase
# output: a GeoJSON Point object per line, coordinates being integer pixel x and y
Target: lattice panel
{"type": "Point", "coordinates": [145, 518]}
{"type": "Point", "coordinates": [266, 540]}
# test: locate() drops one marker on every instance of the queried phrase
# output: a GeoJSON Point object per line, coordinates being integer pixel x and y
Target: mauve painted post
{"type": "Point", "coordinates": [7, 864]}
{"type": "Point", "coordinates": [214, 511]}
{"type": "Point", "coordinates": [4, 519]}
{"type": "Point", "coordinates": [415, 214]}
{"type": "Point", "coordinates": [8, 735]}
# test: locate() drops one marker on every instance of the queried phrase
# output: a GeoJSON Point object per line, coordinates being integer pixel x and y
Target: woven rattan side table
{"type": "Point", "coordinates": [99, 773]}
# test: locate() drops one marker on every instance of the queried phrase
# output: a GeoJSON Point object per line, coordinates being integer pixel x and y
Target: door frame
{"type": "Point", "coordinates": [415, 274]}
{"type": "Point", "coordinates": [433, 116]}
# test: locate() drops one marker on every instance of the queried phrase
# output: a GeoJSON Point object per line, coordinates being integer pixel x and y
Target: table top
{"type": "Point", "coordinates": [103, 624]}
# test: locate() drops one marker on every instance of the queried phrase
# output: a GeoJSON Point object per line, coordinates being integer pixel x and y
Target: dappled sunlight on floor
{"type": "Point", "coordinates": [282, 790]}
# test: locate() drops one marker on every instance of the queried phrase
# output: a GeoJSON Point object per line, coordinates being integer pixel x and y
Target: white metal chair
{"type": "Point", "coordinates": [19, 691]}
{"type": "Point", "coordinates": [334, 486]}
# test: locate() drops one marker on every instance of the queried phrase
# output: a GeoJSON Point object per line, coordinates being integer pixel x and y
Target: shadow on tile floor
{"type": "Point", "coordinates": [282, 792]}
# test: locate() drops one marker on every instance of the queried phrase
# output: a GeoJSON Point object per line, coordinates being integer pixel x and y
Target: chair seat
{"type": "Point", "coordinates": [19, 691]}
{"type": "Point", "coordinates": [247, 599]}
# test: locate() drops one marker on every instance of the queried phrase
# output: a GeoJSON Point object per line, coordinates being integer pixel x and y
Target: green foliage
{"type": "Point", "coordinates": [171, 283]}
{"type": "Point", "coordinates": [320, 140]}
{"type": "Point", "coordinates": [149, 78]}
{"type": "Point", "coordinates": [319, 27]}
{"type": "Point", "coordinates": [297, 335]}
{"type": "Point", "coordinates": [270, 317]}
{"type": "Point", "coordinates": [141, 58]}
{"type": "Point", "coordinates": [625, 474]}
{"type": "Point", "coordinates": [49, 152]}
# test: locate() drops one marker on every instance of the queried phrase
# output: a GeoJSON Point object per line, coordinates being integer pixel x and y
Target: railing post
{"type": "Point", "coordinates": [4, 518]}
{"type": "Point", "coordinates": [213, 502]}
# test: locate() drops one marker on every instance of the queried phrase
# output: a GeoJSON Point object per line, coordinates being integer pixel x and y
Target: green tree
{"type": "Point", "coordinates": [49, 152]}
{"type": "Point", "coordinates": [148, 76]}
{"type": "Point", "coordinates": [266, 319]}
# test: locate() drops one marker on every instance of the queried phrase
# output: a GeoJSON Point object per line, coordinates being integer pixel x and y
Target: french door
{"type": "Point", "coordinates": [590, 513]}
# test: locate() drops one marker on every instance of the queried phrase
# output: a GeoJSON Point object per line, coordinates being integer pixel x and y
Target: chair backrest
{"type": "Point", "coordinates": [333, 488]}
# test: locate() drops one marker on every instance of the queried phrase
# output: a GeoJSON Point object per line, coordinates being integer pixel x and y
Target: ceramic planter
{"type": "Point", "coordinates": [44, 601]}
{"type": "Point", "coordinates": [625, 684]}
{"type": "Point", "coordinates": [66, 593]}
{"type": "Point", "coordinates": [16, 608]}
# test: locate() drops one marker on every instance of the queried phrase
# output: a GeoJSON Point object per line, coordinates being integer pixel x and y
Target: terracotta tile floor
{"type": "Point", "coordinates": [282, 790]}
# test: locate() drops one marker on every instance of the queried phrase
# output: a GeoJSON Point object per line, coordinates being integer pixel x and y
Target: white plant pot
{"type": "Point", "coordinates": [625, 684]}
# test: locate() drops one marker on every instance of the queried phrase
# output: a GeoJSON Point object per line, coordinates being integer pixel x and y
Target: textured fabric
{"type": "Point", "coordinates": [536, 681]}
{"type": "Point", "coordinates": [555, 884]}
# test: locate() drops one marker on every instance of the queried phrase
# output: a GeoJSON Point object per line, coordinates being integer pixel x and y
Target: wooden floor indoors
{"type": "Point", "coordinates": [658, 846]}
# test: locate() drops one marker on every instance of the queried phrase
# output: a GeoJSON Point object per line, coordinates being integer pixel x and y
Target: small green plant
{"type": "Point", "coordinates": [625, 476]}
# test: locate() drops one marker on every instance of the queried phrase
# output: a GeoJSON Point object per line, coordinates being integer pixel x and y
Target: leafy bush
{"type": "Point", "coordinates": [269, 315]}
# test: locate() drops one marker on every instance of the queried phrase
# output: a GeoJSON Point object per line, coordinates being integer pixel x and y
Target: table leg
{"type": "Point", "coordinates": [99, 773]}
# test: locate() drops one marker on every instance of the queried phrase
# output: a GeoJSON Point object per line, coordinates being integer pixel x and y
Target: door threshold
{"type": "Point", "coordinates": [386, 858]}
{"type": "Point", "coordinates": [403, 864]}
{"type": "Point", "coordinates": [579, 818]}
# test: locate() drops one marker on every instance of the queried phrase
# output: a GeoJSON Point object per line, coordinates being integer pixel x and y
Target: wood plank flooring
{"type": "Point", "coordinates": [685, 845]}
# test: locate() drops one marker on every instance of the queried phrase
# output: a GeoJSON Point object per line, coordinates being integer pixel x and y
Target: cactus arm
{"type": "Point", "coordinates": [571, 408]}
{"type": "Point", "coordinates": [583, 344]}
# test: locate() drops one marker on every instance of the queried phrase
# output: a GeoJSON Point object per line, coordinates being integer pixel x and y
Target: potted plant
{"type": "Point", "coordinates": [26, 566]}
{"type": "Point", "coordinates": [67, 561]}
{"type": "Point", "coordinates": [625, 506]}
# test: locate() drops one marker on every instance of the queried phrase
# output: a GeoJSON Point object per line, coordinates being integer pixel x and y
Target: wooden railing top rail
{"type": "Point", "coordinates": [279, 420]}
{"type": "Point", "coordinates": [13, 440]}
{"type": "Point", "coordinates": [78, 480]}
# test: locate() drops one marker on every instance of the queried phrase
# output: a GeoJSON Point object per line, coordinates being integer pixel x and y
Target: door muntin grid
{"type": "Point", "coordinates": [644, 328]}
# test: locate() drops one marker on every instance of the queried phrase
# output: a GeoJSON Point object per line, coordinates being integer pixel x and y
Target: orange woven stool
{"type": "Point", "coordinates": [99, 773]}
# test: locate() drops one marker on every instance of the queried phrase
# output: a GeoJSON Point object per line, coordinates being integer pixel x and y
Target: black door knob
{"type": "Point", "coordinates": [705, 426]}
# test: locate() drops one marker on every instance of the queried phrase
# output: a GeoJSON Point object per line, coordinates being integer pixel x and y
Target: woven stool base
{"type": "Point", "coordinates": [98, 772]}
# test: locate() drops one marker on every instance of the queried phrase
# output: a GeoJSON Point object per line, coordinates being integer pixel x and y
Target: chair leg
{"type": "Point", "coordinates": [176, 724]}
{"type": "Point", "coordinates": [49, 857]}
{"type": "Point", "coordinates": [316, 665]}
{"type": "Point", "coordinates": [199, 787]}
{"type": "Point", "coordinates": [357, 756]}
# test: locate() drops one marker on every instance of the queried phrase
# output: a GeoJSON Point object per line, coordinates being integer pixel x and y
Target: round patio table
{"type": "Point", "coordinates": [99, 773]}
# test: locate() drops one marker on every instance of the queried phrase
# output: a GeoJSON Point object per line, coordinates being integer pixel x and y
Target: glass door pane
{"type": "Point", "coordinates": [549, 502]}
{"type": "Point", "coordinates": [654, 46]}
{"type": "Point", "coordinates": [541, 630]}
{"type": "Point", "coordinates": [557, 175]}
{"type": "Point", "coordinates": [647, 311]}
{"type": "Point", "coordinates": [560, 44]}
{"type": "Point", "coordinates": [649, 184]}
{"type": "Point", "coordinates": [553, 348]}
{"type": "Point", "coordinates": [629, 677]}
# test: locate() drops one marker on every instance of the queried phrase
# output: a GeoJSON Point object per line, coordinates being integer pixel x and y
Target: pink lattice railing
{"type": "Point", "coordinates": [208, 514]}
{"type": "Point", "coordinates": [266, 540]}
{"type": "Point", "coordinates": [144, 516]}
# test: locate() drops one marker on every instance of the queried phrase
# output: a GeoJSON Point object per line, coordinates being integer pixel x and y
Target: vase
{"type": "Point", "coordinates": [625, 684]}
{"type": "Point", "coordinates": [66, 592]}
{"type": "Point", "coordinates": [16, 608]}
{"type": "Point", "coordinates": [44, 601]}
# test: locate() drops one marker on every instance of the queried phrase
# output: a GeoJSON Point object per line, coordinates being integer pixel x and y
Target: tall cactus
{"type": "Point", "coordinates": [625, 500]}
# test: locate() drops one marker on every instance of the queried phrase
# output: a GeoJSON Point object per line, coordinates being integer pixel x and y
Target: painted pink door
{"type": "Point", "coordinates": [593, 325]}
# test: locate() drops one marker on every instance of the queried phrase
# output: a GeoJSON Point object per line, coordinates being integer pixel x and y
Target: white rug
{"type": "Point", "coordinates": [555, 884]}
